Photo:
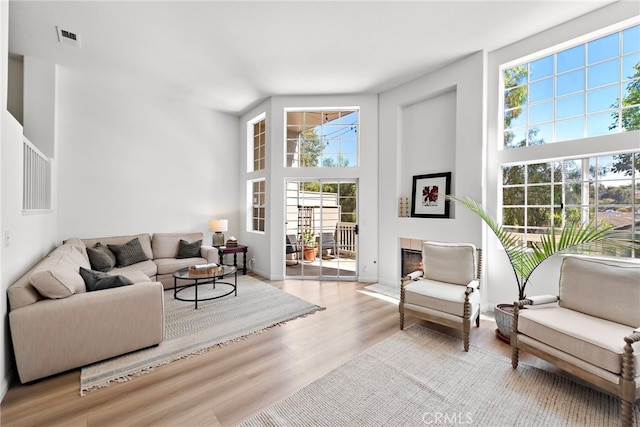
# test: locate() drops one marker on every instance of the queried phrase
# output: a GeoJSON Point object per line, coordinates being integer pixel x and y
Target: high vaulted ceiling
{"type": "Point", "coordinates": [230, 55]}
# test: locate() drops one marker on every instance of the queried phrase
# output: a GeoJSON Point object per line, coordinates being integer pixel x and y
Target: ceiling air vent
{"type": "Point", "coordinates": [68, 37]}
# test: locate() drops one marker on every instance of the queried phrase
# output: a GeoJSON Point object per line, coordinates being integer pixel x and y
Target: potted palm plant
{"type": "Point", "coordinates": [524, 260]}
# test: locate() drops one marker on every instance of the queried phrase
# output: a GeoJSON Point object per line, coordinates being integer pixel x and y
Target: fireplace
{"type": "Point", "coordinates": [411, 260]}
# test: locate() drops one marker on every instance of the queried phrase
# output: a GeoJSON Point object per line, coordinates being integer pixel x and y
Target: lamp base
{"type": "Point", "coordinates": [218, 239]}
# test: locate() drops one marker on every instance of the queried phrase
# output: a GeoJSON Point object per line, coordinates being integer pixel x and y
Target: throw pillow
{"type": "Point", "coordinates": [189, 250]}
{"type": "Point", "coordinates": [129, 253]}
{"type": "Point", "coordinates": [101, 258]}
{"type": "Point", "coordinates": [59, 280]}
{"type": "Point", "coordinates": [98, 280]}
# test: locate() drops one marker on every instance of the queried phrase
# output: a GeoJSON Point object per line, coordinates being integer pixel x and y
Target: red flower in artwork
{"type": "Point", "coordinates": [430, 195]}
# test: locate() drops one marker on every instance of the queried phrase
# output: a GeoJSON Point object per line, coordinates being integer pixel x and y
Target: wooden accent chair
{"type": "Point", "coordinates": [447, 291]}
{"type": "Point", "coordinates": [592, 330]}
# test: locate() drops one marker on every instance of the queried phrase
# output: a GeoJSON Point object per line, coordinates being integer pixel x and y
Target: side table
{"type": "Point", "coordinates": [235, 250]}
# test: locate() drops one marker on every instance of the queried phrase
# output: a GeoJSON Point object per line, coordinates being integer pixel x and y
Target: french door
{"type": "Point", "coordinates": [321, 229]}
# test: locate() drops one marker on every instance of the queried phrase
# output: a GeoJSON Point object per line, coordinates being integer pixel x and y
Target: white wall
{"type": "Point", "coordinates": [30, 236]}
{"type": "Point", "coordinates": [39, 97]}
{"type": "Point", "coordinates": [137, 163]}
{"type": "Point", "coordinates": [268, 248]}
{"type": "Point", "coordinates": [15, 89]}
{"type": "Point", "coordinates": [430, 125]}
{"type": "Point", "coordinates": [499, 276]}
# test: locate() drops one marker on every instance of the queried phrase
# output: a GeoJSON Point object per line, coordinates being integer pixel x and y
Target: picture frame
{"type": "Point", "coordinates": [426, 195]}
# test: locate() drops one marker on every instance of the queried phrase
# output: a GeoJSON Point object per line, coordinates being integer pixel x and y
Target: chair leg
{"type": "Point", "coordinates": [627, 412]}
{"type": "Point", "coordinates": [465, 329]}
{"type": "Point", "coordinates": [515, 355]}
{"type": "Point", "coordinates": [401, 317]}
{"type": "Point", "coordinates": [478, 320]}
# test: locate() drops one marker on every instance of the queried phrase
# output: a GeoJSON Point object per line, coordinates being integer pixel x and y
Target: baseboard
{"type": "Point", "coordinates": [5, 383]}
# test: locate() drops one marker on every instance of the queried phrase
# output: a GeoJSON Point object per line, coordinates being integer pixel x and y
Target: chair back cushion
{"type": "Point", "coordinates": [600, 289]}
{"type": "Point", "coordinates": [449, 262]}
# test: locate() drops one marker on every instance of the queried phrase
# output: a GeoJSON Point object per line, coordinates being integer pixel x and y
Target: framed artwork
{"type": "Point", "coordinates": [427, 199]}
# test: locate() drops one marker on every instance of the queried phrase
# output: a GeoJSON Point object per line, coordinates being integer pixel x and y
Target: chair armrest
{"type": "Point", "coordinates": [537, 300]}
{"type": "Point", "coordinates": [473, 285]}
{"type": "Point", "coordinates": [633, 338]}
{"type": "Point", "coordinates": [414, 275]}
{"type": "Point", "coordinates": [209, 253]}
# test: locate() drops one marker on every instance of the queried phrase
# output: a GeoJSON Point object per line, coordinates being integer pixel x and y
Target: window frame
{"type": "Point", "coordinates": [622, 83]}
{"type": "Point", "coordinates": [292, 144]}
{"type": "Point", "coordinates": [251, 143]}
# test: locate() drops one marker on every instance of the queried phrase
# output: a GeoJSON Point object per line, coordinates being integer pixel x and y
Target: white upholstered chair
{"type": "Point", "coordinates": [447, 292]}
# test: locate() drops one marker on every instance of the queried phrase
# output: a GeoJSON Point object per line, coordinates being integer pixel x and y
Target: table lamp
{"type": "Point", "coordinates": [218, 226]}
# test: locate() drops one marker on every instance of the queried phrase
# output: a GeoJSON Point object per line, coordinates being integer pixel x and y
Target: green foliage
{"type": "Point", "coordinates": [579, 237]}
{"type": "Point", "coordinates": [630, 116]}
{"type": "Point", "coordinates": [308, 239]}
{"type": "Point", "coordinates": [310, 148]}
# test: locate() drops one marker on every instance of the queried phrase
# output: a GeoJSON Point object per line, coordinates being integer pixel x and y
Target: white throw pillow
{"type": "Point", "coordinates": [58, 281]}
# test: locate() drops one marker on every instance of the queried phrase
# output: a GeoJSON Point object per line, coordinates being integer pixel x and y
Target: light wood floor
{"type": "Point", "coordinates": [230, 383]}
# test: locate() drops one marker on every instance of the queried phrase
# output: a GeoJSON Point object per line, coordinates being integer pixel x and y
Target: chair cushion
{"type": "Point", "coordinates": [582, 288]}
{"type": "Point", "coordinates": [445, 297]}
{"type": "Point", "coordinates": [449, 262]}
{"type": "Point", "coordinates": [594, 340]}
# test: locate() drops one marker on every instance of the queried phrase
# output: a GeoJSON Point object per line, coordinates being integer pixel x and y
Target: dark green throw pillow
{"type": "Point", "coordinates": [129, 253]}
{"type": "Point", "coordinates": [97, 280]}
{"type": "Point", "coordinates": [189, 250]}
{"type": "Point", "coordinates": [101, 258]}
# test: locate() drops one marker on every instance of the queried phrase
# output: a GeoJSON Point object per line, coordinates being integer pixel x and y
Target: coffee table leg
{"type": "Point", "coordinates": [196, 294]}
{"type": "Point", "coordinates": [235, 279]}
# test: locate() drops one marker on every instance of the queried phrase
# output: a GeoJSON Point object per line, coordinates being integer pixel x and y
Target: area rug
{"type": "Point", "coordinates": [421, 377]}
{"type": "Point", "coordinates": [388, 290]}
{"type": "Point", "coordinates": [188, 331]}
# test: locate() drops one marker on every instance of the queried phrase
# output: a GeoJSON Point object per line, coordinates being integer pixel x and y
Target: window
{"type": "Point", "coordinates": [537, 196]}
{"type": "Point", "coordinates": [322, 138]}
{"type": "Point", "coordinates": [258, 205]}
{"type": "Point", "coordinates": [257, 143]}
{"type": "Point", "coordinates": [588, 90]}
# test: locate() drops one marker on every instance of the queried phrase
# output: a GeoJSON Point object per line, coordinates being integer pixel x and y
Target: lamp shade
{"type": "Point", "coordinates": [218, 225]}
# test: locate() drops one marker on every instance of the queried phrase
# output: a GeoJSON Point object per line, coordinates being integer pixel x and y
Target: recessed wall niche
{"type": "Point", "coordinates": [427, 141]}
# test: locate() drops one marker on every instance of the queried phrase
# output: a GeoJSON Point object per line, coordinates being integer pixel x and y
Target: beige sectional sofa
{"type": "Point", "coordinates": [57, 325]}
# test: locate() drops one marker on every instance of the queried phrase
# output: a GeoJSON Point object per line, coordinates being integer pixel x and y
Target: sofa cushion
{"type": "Point", "coordinates": [585, 284]}
{"type": "Point", "coordinates": [165, 245]}
{"type": "Point", "coordinates": [72, 254]}
{"type": "Point", "coordinates": [171, 265]}
{"type": "Point", "coordinates": [98, 280]}
{"type": "Point", "coordinates": [58, 278]}
{"type": "Point", "coordinates": [136, 276]}
{"type": "Point", "coordinates": [449, 262]}
{"type": "Point", "coordinates": [440, 296]}
{"type": "Point", "coordinates": [101, 257]}
{"type": "Point", "coordinates": [148, 267]}
{"type": "Point", "coordinates": [189, 249]}
{"type": "Point", "coordinates": [129, 253]}
{"type": "Point", "coordinates": [597, 341]}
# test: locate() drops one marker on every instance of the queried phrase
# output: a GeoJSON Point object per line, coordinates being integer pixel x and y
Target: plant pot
{"type": "Point", "coordinates": [309, 253]}
{"type": "Point", "coordinates": [503, 314]}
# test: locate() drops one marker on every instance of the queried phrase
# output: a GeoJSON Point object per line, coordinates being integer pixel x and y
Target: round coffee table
{"type": "Point", "coordinates": [198, 279]}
